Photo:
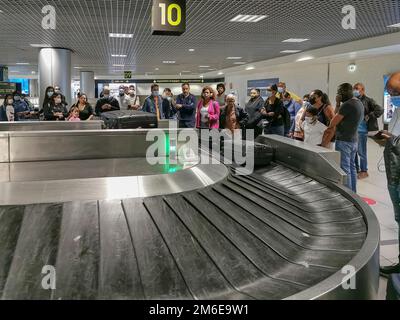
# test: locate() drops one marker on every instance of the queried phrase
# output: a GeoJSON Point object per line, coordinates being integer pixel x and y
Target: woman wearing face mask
{"type": "Point", "coordinates": [321, 102]}
{"type": "Point", "coordinates": [208, 110]}
{"type": "Point", "coordinates": [312, 128]}
{"type": "Point", "coordinates": [47, 97]}
{"type": "Point", "coordinates": [57, 111]}
{"type": "Point", "coordinates": [273, 112]}
{"type": "Point", "coordinates": [7, 113]}
{"type": "Point", "coordinates": [86, 112]}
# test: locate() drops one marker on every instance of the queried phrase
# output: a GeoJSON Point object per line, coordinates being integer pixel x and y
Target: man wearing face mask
{"type": "Point", "coordinates": [21, 108]}
{"type": "Point", "coordinates": [345, 123]}
{"type": "Point", "coordinates": [107, 103]}
{"type": "Point", "coordinates": [133, 99]}
{"type": "Point", "coordinates": [122, 98]}
{"type": "Point", "coordinates": [154, 103]}
{"type": "Point", "coordinates": [282, 90]}
{"type": "Point", "coordinates": [57, 90]}
{"type": "Point", "coordinates": [372, 112]}
{"type": "Point", "coordinates": [293, 108]}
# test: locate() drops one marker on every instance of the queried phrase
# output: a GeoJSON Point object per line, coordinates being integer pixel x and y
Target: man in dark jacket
{"type": "Point", "coordinates": [186, 108]}
{"type": "Point", "coordinates": [154, 103]}
{"type": "Point", "coordinates": [107, 103]}
{"type": "Point", "coordinates": [370, 123]}
{"type": "Point", "coordinates": [392, 164]}
{"type": "Point", "coordinates": [253, 110]}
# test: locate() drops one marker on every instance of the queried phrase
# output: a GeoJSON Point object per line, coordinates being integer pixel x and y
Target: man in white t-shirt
{"type": "Point", "coordinates": [312, 128]}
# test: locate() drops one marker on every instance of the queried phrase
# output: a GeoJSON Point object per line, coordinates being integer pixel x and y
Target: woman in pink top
{"type": "Point", "coordinates": [208, 110]}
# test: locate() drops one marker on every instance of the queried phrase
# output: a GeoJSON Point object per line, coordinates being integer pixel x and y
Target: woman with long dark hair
{"type": "Point", "coordinates": [47, 96]}
{"type": "Point", "coordinates": [86, 112]}
{"type": "Point", "coordinates": [56, 111]}
{"type": "Point", "coordinates": [7, 111]}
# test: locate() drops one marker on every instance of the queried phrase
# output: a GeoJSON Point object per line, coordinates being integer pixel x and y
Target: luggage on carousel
{"type": "Point", "coordinates": [129, 119]}
{"type": "Point", "coordinates": [393, 287]}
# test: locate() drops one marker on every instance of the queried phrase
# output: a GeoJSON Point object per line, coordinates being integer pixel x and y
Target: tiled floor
{"type": "Point", "coordinates": [375, 187]}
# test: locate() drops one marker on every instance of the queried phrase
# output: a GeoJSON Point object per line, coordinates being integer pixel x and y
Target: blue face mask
{"type": "Point", "coordinates": [156, 93]}
{"type": "Point", "coordinates": [356, 93]}
{"type": "Point", "coordinates": [281, 90]}
{"type": "Point", "coordinates": [286, 103]}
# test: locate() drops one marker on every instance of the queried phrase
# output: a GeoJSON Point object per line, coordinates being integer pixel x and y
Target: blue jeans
{"type": "Point", "coordinates": [362, 164]}
{"type": "Point", "coordinates": [280, 130]}
{"type": "Point", "coordinates": [394, 191]}
{"type": "Point", "coordinates": [348, 152]}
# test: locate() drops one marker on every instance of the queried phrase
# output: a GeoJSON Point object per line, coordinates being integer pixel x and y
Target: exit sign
{"type": "Point", "coordinates": [128, 74]}
{"type": "Point", "coordinates": [169, 17]}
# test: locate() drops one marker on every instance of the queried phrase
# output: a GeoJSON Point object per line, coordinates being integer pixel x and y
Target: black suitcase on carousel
{"type": "Point", "coordinates": [129, 119]}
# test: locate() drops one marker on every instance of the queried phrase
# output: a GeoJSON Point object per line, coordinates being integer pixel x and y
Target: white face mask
{"type": "Point", "coordinates": [309, 120]}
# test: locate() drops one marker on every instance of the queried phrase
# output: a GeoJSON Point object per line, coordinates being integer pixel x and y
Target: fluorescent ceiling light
{"type": "Point", "coordinates": [305, 59]}
{"type": "Point", "coordinates": [22, 63]}
{"type": "Point", "coordinates": [397, 25]}
{"type": "Point", "coordinates": [248, 18]}
{"type": "Point", "coordinates": [157, 69]}
{"type": "Point", "coordinates": [250, 68]}
{"type": "Point", "coordinates": [119, 55]}
{"type": "Point", "coordinates": [295, 40]}
{"type": "Point", "coordinates": [191, 50]}
{"type": "Point", "coordinates": [234, 58]}
{"type": "Point", "coordinates": [78, 68]}
{"type": "Point", "coordinates": [201, 76]}
{"type": "Point", "coordinates": [290, 51]}
{"type": "Point", "coordinates": [185, 71]}
{"type": "Point", "coordinates": [118, 65]}
{"type": "Point", "coordinates": [121, 35]}
{"type": "Point", "coordinates": [240, 62]}
{"type": "Point", "coordinates": [220, 73]}
{"type": "Point", "coordinates": [204, 66]}
{"type": "Point", "coordinates": [42, 45]}
{"type": "Point", "coordinates": [169, 62]}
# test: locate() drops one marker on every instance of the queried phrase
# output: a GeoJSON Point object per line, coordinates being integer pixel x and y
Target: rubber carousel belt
{"type": "Point", "coordinates": [249, 237]}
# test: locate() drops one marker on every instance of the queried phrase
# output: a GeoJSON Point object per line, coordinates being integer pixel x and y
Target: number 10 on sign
{"type": "Point", "coordinates": [169, 17]}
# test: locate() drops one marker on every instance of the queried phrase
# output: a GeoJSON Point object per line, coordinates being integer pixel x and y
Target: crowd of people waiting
{"type": "Point", "coordinates": [311, 119]}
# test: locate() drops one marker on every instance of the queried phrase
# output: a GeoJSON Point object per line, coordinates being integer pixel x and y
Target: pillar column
{"type": "Point", "coordinates": [55, 69]}
{"type": "Point", "coordinates": [3, 73]}
{"type": "Point", "coordinates": [88, 84]}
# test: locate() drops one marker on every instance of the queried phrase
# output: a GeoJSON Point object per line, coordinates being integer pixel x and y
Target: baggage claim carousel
{"type": "Point", "coordinates": [87, 203]}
